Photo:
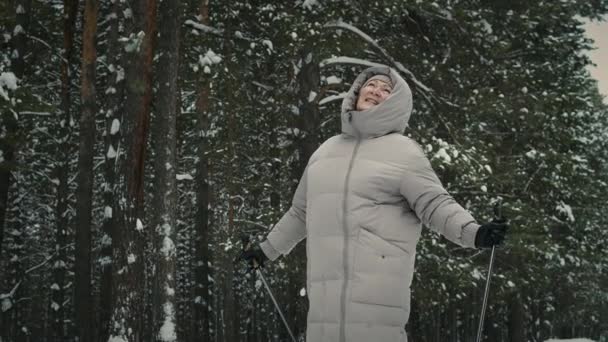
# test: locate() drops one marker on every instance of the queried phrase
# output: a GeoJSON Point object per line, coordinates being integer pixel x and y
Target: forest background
{"type": "Point", "coordinates": [140, 139]}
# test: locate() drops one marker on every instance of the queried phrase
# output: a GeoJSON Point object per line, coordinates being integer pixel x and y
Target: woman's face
{"type": "Point", "coordinates": [372, 94]}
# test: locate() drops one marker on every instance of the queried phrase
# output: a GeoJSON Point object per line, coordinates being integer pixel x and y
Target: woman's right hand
{"type": "Point", "coordinates": [254, 256]}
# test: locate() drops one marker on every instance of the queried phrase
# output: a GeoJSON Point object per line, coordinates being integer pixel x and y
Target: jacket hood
{"type": "Point", "coordinates": [390, 116]}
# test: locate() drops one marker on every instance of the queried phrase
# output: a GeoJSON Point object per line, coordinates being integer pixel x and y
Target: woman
{"type": "Point", "coordinates": [360, 205]}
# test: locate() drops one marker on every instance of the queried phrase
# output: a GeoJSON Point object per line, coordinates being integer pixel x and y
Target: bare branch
{"type": "Point", "coordinates": [347, 60]}
{"type": "Point", "coordinates": [397, 65]}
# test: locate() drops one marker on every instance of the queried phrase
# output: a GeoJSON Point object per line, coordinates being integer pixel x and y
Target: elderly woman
{"type": "Point", "coordinates": [360, 205]}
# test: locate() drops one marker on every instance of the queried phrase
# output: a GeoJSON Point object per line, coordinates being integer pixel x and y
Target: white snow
{"type": "Point", "coordinates": [133, 43]}
{"type": "Point", "coordinates": [107, 212]}
{"type": "Point", "coordinates": [303, 292]}
{"type": "Point", "coordinates": [308, 58]}
{"type": "Point", "coordinates": [332, 98]}
{"type": "Point", "coordinates": [309, 4]}
{"type": "Point", "coordinates": [476, 274]}
{"type": "Point", "coordinates": [409, 75]}
{"type": "Point", "coordinates": [442, 154]}
{"type": "Point", "coordinates": [6, 304]}
{"type": "Point", "coordinates": [209, 58]}
{"type": "Point", "coordinates": [311, 96]}
{"type": "Point", "coordinates": [204, 28]}
{"type": "Point", "coordinates": [166, 229]}
{"type": "Point", "coordinates": [348, 60]}
{"type": "Point", "coordinates": [8, 80]}
{"type": "Point", "coordinates": [486, 26]}
{"type": "Point", "coordinates": [104, 261]}
{"type": "Point", "coordinates": [184, 176]}
{"type": "Point", "coordinates": [111, 152]}
{"type": "Point", "coordinates": [484, 188]}
{"type": "Point", "coordinates": [131, 258]}
{"type": "Point", "coordinates": [18, 29]}
{"type": "Point", "coordinates": [20, 9]}
{"type": "Point", "coordinates": [168, 248]}
{"type": "Point", "coordinates": [115, 127]}
{"type": "Point", "coordinates": [167, 331]}
{"type": "Point", "coordinates": [55, 306]}
{"type": "Point", "coordinates": [116, 339]}
{"type": "Point", "coordinates": [55, 287]}
{"type": "Point", "coordinates": [139, 225]}
{"type": "Point", "coordinates": [565, 209]}
{"type": "Point", "coordinates": [531, 154]}
{"type": "Point", "coordinates": [333, 80]}
{"type": "Point", "coordinates": [268, 45]}
{"type": "Point", "coordinates": [120, 74]}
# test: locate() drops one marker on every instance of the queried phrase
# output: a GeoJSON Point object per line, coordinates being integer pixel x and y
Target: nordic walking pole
{"type": "Point", "coordinates": [485, 296]}
{"type": "Point", "coordinates": [498, 214]}
{"type": "Point", "coordinates": [276, 305]}
{"type": "Point", "coordinates": [246, 244]}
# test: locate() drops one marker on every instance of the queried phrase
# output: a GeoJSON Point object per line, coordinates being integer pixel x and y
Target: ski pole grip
{"type": "Point", "coordinates": [246, 241]}
{"type": "Point", "coordinates": [498, 210]}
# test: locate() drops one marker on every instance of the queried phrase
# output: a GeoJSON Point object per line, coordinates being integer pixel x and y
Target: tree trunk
{"type": "Point", "coordinates": [229, 314]}
{"type": "Point", "coordinates": [8, 122]}
{"type": "Point", "coordinates": [58, 332]}
{"type": "Point", "coordinates": [230, 317]}
{"type": "Point", "coordinates": [165, 195]}
{"type": "Point", "coordinates": [202, 301]}
{"type": "Point", "coordinates": [516, 319]}
{"type": "Point", "coordinates": [84, 192]}
{"type": "Point", "coordinates": [9, 317]}
{"type": "Point", "coordinates": [129, 259]}
{"type": "Point", "coordinates": [114, 118]}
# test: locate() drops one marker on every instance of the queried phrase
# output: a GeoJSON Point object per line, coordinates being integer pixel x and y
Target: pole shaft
{"type": "Point", "coordinates": [485, 297]}
{"type": "Point", "coordinates": [276, 304]}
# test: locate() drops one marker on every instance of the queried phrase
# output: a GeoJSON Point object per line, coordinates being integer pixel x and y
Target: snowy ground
{"type": "Point", "coordinates": [571, 340]}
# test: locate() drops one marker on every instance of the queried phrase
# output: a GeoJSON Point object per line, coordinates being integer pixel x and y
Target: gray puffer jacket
{"type": "Point", "coordinates": [360, 205]}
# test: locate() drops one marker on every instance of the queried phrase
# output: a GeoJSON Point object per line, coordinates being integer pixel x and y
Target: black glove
{"type": "Point", "coordinates": [491, 234]}
{"type": "Point", "coordinates": [254, 256]}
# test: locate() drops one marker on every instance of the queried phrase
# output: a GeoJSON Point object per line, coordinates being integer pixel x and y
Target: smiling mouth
{"type": "Point", "coordinates": [371, 101]}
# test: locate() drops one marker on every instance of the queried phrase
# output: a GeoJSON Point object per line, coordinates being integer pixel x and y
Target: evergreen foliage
{"type": "Point", "coordinates": [504, 107]}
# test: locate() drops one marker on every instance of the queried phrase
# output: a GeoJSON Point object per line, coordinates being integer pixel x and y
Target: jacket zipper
{"type": "Point", "coordinates": [346, 235]}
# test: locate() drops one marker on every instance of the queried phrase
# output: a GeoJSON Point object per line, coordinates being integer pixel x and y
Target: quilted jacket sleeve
{"type": "Point", "coordinates": [291, 228]}
{"type": "Point", "coordinates": [432, 203]}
